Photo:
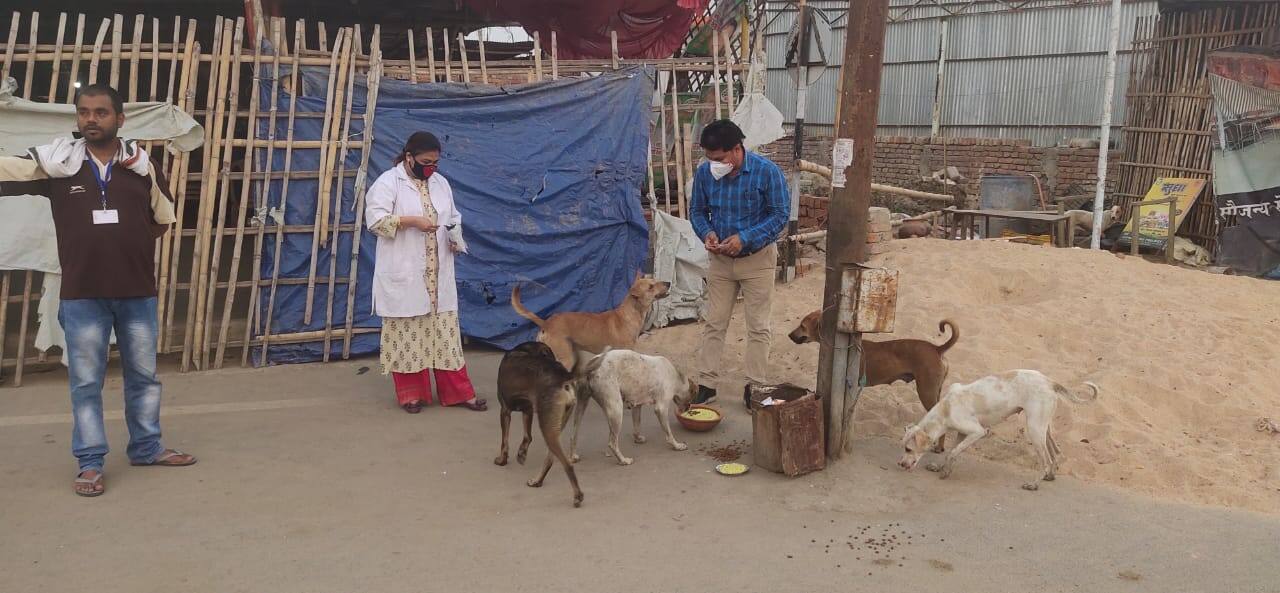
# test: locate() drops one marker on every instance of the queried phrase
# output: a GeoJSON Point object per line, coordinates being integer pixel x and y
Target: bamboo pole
{"type": "Point", "coordinates": [715, 69]}
{"type": "Point", "coordinates": [613, 48]}
{"type": "Point", "coordinates": [484, 63]}
{"type": "Point", "coordinates": [413, 60]}
{"type": "Point", "coordinates": [22, 327]}
{"type": "Point", "coordinates": [324, 38]}
{"type": "Point", "coordinates": [247, 166]}
{"type": "Point", "coordinates": [555, 58]}
{"type": "Point", "coordinates": [678, 143]}
{"type": "Point", "coordinates": [448, 58]}
{"type": "Point", "coordinates": [57, 58]}
{"type": "Point", "coordinates": [155, 60]}
{"type": "Point", "coordinates": [138, 23]}
{"type": "Point", "coordinates": [117, 39]}
{"type": "Point", "coordinates": [217, 110]}
{"type": "Point", "coordinates": [4, 313]}
{"type": "Point", "coordinates": [8, 48]}
{"type": "Point", "coordinates": [75, 59]}
{"type": "Point", "coordinates": [537, 56]}
{"type": "Point", "coordinates": [97, 50]}
{"type": "Point", "coordinates": [343, 50]}
{"type": "Point", "coordinates": [431, 55]}
{"type": "Point", "coordinates": [223, 176]}
{"type": "Point", "coordinates": [362, 182]}
{"type": "Point", "coordinates": [666, 150]}
{"type": "Point", "coordinates": [728, 71]}
{"type": "Point", "coordinates": [462, 52]}
{"type": "Point", "coordinates": [299, 44]}
{"type": "Point", "coordinates": [172, 251]}
{"type": "Point", "coordinates": [260, 211]}
{"type": "Point", "coordinates": [687, 133]}
{"type": "Point", "coordinates": [173, 63]}
{"type": "Point", "coordinates": [337, 208]}
{"type": "Point", "coordinates": [31, 56]}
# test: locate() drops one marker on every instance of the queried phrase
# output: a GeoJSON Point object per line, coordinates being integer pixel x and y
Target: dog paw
{"type": "Point", "coordinates": [500, 460]}
{"type": "Point", "coordinates": [625, 461]}
{"type": "Point", "coordinates": [939, 449]}
{"type": "Point", "coordinates": [934, 467]}
{"type": "Point", "coordinates": [577, 500]}
{"type": "Point", "coordinates": [575, 458]}
{"type": "Point", "coordinates": [945, 472]}
{"type": "Point", "coordinates": [1031, 486]}
{"type": "Point", "coordinates": [641, 439]}
{"type": "Point", "coordinates": [1049, 477]}
{"type": "Point", "coordinates": [521, 456]}
{"type": "Point", "coordinates": [679, 446]}
{"type": "Point", "coordinates": [534, 483]}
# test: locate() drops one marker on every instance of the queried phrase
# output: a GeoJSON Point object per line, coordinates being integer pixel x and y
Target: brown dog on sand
{"type": "Point", "coordinates": [531, 381]}
{"type": "Point", "coordinates": [593, 332]}
{"type": "Point", "coordinates": [896, 360]}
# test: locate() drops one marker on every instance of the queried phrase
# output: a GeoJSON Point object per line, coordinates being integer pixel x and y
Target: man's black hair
{"type": "Point", "coordinates": [722, 135]}
{"type": "Point", "coordinates": [96, 90]}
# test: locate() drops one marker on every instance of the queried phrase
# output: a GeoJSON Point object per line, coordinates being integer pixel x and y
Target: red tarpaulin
{"type": "Point", "coordinates": [647, 29]}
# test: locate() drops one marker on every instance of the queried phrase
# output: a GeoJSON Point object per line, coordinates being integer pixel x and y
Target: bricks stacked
{"type": "Point", "coordinates": [879, 231]}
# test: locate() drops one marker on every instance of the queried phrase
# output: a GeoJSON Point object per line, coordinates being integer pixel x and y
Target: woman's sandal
{"type": "Point", "coordinates": [168, 458]}
{"type": "Point", "coordinates": [412, 407]}
{"type": "Point", "coordinates": [478, 405]}
{"type": "Point", "coordinates": [92, 486]}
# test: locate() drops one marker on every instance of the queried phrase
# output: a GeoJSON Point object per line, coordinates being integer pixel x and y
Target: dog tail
{"type": "Point", "coordinates": [955, 335]}
{"type": "Point", "coordinates": [593, 365]}
{"type": "Point", "coordinates": [523, 312]}
{"type": "Point", "coordinates": [1067, 393]}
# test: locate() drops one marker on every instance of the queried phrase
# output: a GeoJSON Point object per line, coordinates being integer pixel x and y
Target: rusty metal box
{"type": "Point", "coordinates": [868, 300]}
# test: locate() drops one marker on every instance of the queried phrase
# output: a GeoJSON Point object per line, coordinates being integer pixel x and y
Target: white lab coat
{"type": "Point", "coordinates": [400, 266]}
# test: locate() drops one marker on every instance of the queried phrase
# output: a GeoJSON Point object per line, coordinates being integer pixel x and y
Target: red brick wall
{"type": "Point", "coordinates": [902, 161]}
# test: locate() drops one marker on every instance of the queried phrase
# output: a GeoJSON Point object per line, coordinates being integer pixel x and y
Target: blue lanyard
{"type": "Point", "coordinates": [102, 183]}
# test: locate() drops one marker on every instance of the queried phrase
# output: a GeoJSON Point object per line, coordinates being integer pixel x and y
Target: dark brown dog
{"type": "Point", "coordinates": [910, 229]}
{"type": "Point", "coordinates": [531, 381]}
{"type": "Point", "coordinates": [896, 360]}
{"type": "Point", "coordinates": [593, 332]}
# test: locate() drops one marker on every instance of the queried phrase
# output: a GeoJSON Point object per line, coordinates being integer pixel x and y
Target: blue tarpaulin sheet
{"type": "Point", "coordinates": [547, 176]}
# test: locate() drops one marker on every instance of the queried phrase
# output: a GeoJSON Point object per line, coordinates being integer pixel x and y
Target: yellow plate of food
{"type": "Point", "coordinates": [704, 414]}
{"type": "Point", "coordinates": [732, 469]}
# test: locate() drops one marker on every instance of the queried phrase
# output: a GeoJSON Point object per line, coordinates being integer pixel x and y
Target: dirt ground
{"type": "Point", "coordinates": [311, 480]}
{"type": "Point", "coordinates": [1185, 360]}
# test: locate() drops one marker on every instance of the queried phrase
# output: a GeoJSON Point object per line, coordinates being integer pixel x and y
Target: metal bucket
{"type": "Point", "coordinates": [1008, 192]}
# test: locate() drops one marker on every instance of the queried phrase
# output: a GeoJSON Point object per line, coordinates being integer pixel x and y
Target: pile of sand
{"type": "Point", "coordinates": [1187, 361]}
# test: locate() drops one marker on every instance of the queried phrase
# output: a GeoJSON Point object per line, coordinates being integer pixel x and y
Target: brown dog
{"type": "Point", "coordinates": [911, 229]}
{"type": "Point", "coordinates": [593, 332]}
{"type": "Point", "coordinates": [531, 381]}
{"type": "Point", "coordinates": [896, 360]}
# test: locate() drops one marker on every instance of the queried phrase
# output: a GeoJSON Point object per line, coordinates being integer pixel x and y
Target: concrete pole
{"type": "Point", "coordinates": [1108, 92]}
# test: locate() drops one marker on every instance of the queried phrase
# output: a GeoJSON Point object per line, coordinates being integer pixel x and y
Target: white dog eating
{"type": "Point", "coordinates": [973, 409]}
{"type": "Point", "coordinates": [623, 379]}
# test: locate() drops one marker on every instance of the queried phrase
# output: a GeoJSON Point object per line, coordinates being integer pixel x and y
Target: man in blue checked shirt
{"type": "Point", "coordinates": [739, 207]}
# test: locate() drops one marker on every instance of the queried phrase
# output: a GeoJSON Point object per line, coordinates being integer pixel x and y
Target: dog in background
{"type": "Point", "coordinates": [972, 409]}
{"type": "Point", "coordinates": [1083, 219]}
{"type": "Point", "coordinates": [896, 360]}
{"type": "Point", "coordinates": [624, 379]}
{"type": "Point", "coordinates": [530, 380]}
{"type": "Point", "coordinates": [593, 332]}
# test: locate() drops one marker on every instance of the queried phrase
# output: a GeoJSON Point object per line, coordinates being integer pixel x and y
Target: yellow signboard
{"type": "Point", "coordinates": [1153, 221]}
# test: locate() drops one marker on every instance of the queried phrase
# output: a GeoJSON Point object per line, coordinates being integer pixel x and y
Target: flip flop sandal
{"type": "Point", "coordinates": [412, 407]}
{"type": "Point", "coordinates": [479, 405]}
{"type": "Point", "coordinates": [92, 483]}
{"type": "Point", "coordinates": [163, 460]}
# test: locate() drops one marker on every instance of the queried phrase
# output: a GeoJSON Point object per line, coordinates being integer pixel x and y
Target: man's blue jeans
{"type": "Point", "coordinates": [88, 324]}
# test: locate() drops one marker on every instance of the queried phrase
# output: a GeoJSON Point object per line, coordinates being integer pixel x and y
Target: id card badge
{"type": "Point", "coordinates": [106, 217]}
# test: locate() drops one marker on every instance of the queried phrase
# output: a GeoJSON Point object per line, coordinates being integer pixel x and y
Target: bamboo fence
{"type": "Point", "coordinates": [1167, 127]}
{"type": "Point", "coordinates": [216, 301]}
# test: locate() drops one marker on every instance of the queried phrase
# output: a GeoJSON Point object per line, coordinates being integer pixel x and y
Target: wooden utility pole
{"type": "Point", "coordinates": [840, 359]}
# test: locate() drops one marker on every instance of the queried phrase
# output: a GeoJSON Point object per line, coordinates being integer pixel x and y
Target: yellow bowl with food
{"type": "Point", "coordinates": [699, 418]}
{"type": "Point", "coordinates": [732, 469]}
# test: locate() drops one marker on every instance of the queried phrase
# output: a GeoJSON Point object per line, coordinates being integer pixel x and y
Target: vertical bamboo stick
{"type": "Point", "coordinates": [299, 44]}
{"type": "Point", "coordinates": [337, 208]}
{"type": "Point", "coordinates": [57, 58]}
{"type": "Point", "coordinates": [484, 63]}
{"type": "Point", "coordinates": [555, 58]}
{"type": "Point", "coordinates": [715, 69]}
{"type": "Point", "coordinates": [31, 55]}
{"type": "Point", "coordinates": [448, 58]}
{"type": "Point", "coordinates": [357, 48]}
{"type": "Point", "coordinates": [462, 51]}
{"type": "Point", "coordinates": [688, 168]}
{"type": "Point", "coordinates": [324, 38]}
{"type": "Point", "coordinates": [173, 63]}
{"type": "Point", "coordinates": [678, 143]}
{"type": "Point", "coordinates": [342, 54]}
{"type": "Point", "coordinates": [155, 58]}
{"type": "Point", "coordinates": [613, 47]}
{"type": "Point", "coordinates": [431, 55]}
{"type": "Point", "coordinates": [135, 53]}
{"type": "Point", "coordinates": [246, 183]}
{"type": "Point", "coordinates": [117, 39]}
{"type": "Point", "coordinates": [22, 327]}
{"type": "Point", "coordinates": [4, 314]}
{"type": "Point", "coordinates": [537, 56]}
{"type": "Point", "coordinates": [666, 150]}
{"type": "Point", "coordinates": [362, 182]}
{"type": "Point", "coordinates": [413, 61]}
{"type": "Point", "coordinates": [8, 47]}
{"type": "Point", "coordinates": [172, 248]}
{"type": "Point", "coordinates": [729, 68]}
{"type": "Point", "coordinates": [75, 59]}
{"type": "Point", "coordinates": [97, 50]}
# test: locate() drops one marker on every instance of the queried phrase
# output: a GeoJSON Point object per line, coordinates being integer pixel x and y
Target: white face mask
{"type": "Point", "coordinates": [719, 170]}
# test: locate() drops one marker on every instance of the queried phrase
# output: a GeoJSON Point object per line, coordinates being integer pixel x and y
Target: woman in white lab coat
{"type": "Point", "coordinates": [410, 208]}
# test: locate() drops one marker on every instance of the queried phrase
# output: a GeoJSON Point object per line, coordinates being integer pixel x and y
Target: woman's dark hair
{"type": "Point", "coordinates": [721, 134]}
{"type": "Point", "coordinates": [419, 142]}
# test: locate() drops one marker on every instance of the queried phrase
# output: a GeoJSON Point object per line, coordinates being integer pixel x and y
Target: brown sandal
{"type": "Point", "coordinates": [412, 407]}
{"type": "Point", "coordinates": [91, 483]}
{"type": "Point", "coordinates": [168, 458]}
{"type": "Point", "coordinates": [479, 405]}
